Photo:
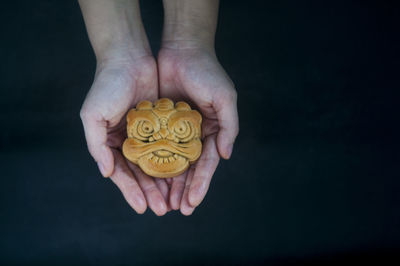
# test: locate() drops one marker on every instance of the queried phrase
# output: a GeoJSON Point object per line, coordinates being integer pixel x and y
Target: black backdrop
{"type": "Point", "coordinates": [314, 176]}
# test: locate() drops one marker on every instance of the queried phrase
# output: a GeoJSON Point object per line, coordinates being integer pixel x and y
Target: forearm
{"type": "Point", "coordinates": [190, 23]}
{"type": "Point", "coordinates": [115, 28]}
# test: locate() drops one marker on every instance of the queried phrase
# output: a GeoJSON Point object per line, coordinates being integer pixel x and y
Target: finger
{"type": "Point", "coordinates": [209, 127]}
{"type": "Point", "coordinates": [117, 135]}
{"type": "Point", "coordinates": [164, 189]}
{"type": "Point", "coordinates": [96, 138]}
{"type": "Point", "coordinates": [125, 181]}
{"type": "Point", "coordinates": [177, 187]}
{"type": "Point", "coordinates": [154, 197]}
{"type": "Point", "coordinates": [226, 109]}
{"type": "Point", "coordinates": [204, 170]}
{"type": "Point", "coordinates": [186, 208]}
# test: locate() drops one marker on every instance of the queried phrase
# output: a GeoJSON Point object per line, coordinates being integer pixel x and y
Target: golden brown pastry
{"type": "Point", "coordinates": [163, 139]}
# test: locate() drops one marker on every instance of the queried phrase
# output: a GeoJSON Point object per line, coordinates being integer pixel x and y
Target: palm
{"type": "Point", "coordinates": [197, 77]}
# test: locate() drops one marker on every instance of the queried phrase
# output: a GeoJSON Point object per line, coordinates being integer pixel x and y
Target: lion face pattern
{"type": "Point", "coordinates": [163, 139]}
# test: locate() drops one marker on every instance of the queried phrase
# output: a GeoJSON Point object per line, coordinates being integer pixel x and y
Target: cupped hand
{"type": "Point", "coordinates": [119, 85]}
{"type": "Point", "coordinates": [195, 75]}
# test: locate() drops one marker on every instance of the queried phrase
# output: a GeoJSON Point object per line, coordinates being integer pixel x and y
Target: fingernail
{"type": "Point", "coordinates": [229, 151]}
{"type": "Point", "coordinates": [102, 169]}
{"type": "Point", "coordinates": [141, 204]}
{"type": "Point", "coordinates": [194, 198]}
{"type": "Point", "coordinates": [162, 211]}
{"type": "Point", "coordinates": [187, 211]}
{"type": "Point", "coordinates": [175, 202]}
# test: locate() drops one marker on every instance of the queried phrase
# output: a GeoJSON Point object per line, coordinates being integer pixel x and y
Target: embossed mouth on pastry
{"type": "Point", "coordinates": [163, 156]}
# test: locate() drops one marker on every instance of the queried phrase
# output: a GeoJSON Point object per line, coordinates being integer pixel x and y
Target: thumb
{"type": "Point", "coordinates": [96, 138]}
{"type": "Point", "coordinates": [228, 121]}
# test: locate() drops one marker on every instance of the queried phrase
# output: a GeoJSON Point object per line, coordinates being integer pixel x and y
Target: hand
{"type": "Point", "coordinates": [120, 83]}
{"type": "Point", "coordinates": [194, 75]}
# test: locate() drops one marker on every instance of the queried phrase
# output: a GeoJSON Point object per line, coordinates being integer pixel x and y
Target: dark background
{"type": "Point", "coordinates": [314, 178]}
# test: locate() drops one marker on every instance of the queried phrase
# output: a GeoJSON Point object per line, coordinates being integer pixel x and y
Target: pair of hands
{"type": "Point", "coordinates": [189, 74]}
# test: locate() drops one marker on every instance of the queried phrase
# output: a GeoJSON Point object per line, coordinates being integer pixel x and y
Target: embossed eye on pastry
{"type": "Point", "coordinates": [163, 139]}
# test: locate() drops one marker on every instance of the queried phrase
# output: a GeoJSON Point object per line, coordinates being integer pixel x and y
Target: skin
{"type": "Point", "coordinates": [186, 69]}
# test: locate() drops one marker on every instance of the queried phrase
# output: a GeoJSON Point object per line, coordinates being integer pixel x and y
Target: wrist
{"type": "Point", "coordinates": [115, 28]}
{"type": "Point", "coordinates": [189, 24]}
{"type": "Point", "coordinates": [127, 51]}
{"type": "Point", "coordinates": [183, 36]}
{"type": "Point", "coordinates": [125, 41]}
